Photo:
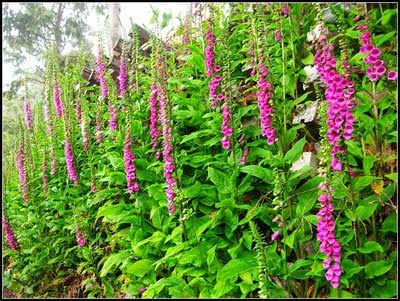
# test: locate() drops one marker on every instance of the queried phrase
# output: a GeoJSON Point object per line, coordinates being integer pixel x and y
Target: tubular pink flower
{"type": "Point", "coordinates": [339, 96]}
{"type": "Point", "coordinates": [57, 99]}
{"type": "Point", "coordinates": [130, 168]}
{"type": "Point", "coordinates": [80, 239]}
{"type": "Point", "coordinates": [122, 77]}
{"type": "Point", "coordinates": [167, 150]}
{"type": "Point", "coordinates": [245, 153]}
{"type": "Point", "coordinates": [326, 236]}
{"type": "Point", "coordinates": [28, 114]}
{"type": "Point", "coordinates": [22, 173]}
{"type": "Point", "coordinates": [392, 75]}
{"type": "Point", "coordinates": [100, 74]}
{"type": "Point", "coordinates": [266, 110]}
{"type": "Point", "coordinates": [275, 235]}
{"type": "Point", "coordinates": [93, 185]}
{"type": "Point", "coordinates": [154, 131]}
{"type": "Point", "coordinates": [225, 128]}
{"type": "Point", "coordinates": [9, 232]}
{"type": "Point", "coordinates": [69, 156]}
{"type": "Point", "coordinates": [278, 35]}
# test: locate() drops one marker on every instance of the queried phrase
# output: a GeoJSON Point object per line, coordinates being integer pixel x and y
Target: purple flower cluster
{"type": "Point", "coordinates": [28, 114]}
{"type": "Point", "coordinates": [8, 230]}
{"type": "Point", "coordinates": [112, 110]}
{"type": "Point", "coordinates": [98, 129]}
{"type": "Point", "coordinates": [278, 35]}
{"type": "Point", "coordinates": [211, 69]}
{"type": "Point", "coordinates": [47, 119]}
{"type": "Point", "coordinates": [101, 74]}
{"type": "Point", "coordinates": [244, 156]}
{"type": "Point", "coordinates": [285, 10]}
{"type": "Point", "coordinates": [130, 168]}
{"type": "Point", "coordinates": [377, 67]}
{"type": "Point", "coordinates": [85, 136]}
{"type": "Point", "coordinates": [167, 150]}
{"type": "Point", "coordinates": [122, 77]}
{"type": "Point", "coordinates": [225, 128]}
{"type": "Point", "coordinates": [69, 156]}
{"type": "Point", "coordinates": [339, 96]}
{"type": "Point", "coordinates": [326, 236]}
{"type": "Point", "coordinates": [154, 131]}
{"type": "Point", "coordinates": [57, 99]}
{"type": "Point", "coordinates": [80, 239]}
{"type": "Point", "coordinates": [22, 172]}
{"type": "Point", "coordinates": [266, 109]}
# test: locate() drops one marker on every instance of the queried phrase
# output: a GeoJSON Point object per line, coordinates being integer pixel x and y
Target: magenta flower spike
{"type": "Point", "coordinates": [69, 156]}
{"type": "Point", "coordinates": [9, 232]}
{"type": "Point", "coordinates": [28, 114]}
{"type": "Point", "coordinates": [57, 99]}
{"type": "Point", "coordinates": [22, 172]}
{"type": "Point", "coordinates": [129, 163]}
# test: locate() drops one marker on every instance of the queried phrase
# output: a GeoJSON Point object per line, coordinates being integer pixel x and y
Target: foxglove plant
{"type": "Point", "coordinates": [44, 177]}
{"type": "Point", "coordinates": [130, 168]}
{"type": "Point", "coordinates": [112, 110]}
{"type": "Point", "coordinates": [78, 110]}
{"type": "Point", "coordinates": [101, 74]}
{"type": "Point", "coordinates": [57, 99]}
{"type": "Point", "coordinates": [326, 236]}
{"type": "Point", "coordinates": [69, 157]}
{"type": "Point", "coordinates": [154, 131]}
{"type": "Point", "coordinates": [98, 128]}
{"type": "Point", "coordinates": [244, 156]}
{"type": "Point", "coordinates": [22, 172]}
{"type": "Point", "coordinates": [376, 66]}
{"type": "Point", "coordinates": [122, 75]}
{"type": "Point", "coordinates": [265, 108]}
{"type": "Point", "coordinates": [85, 137]}
{"type": "Point", "coordinates": [80, 239]}
{"type": "Point", "coordinates": [167, 150]}
{"type": "Point", "coordinates": [53, 163]}
{"type": "Point", "coordinates": [225, 128]}
{"type": "Point", "coordinates": [9, 232]}
{"type": "Point", "coordinates": [28, 114]}
{"type": "Point", "coordinates": [339, 97]}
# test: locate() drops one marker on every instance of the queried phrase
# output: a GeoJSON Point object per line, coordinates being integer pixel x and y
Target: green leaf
{"type": "Point", "coordinates": [355, 34]}
{"type": "Point", "coordinates": [263, 173]}
{"type": "Point", "coordinates": [237, 266]}
{"type": "Point", "coordinates": [139, 268]}
{"type": "Point", "coordinates": [307, 195]}
{"type": "Point", "coordinates": [220, 180]}
{"type": "Point", "coordinates": [377, 268]}
{"type": "Point", "coordinates": [309, 60]}
{"type": "Point", "coordinates": [390, 223]}
{"type": "Point", "coordinates": [388, 290]}
{"type": "Point", "coordinates": [299, 264]}
{"type": "Point", "coordinates": [364, 212]}
{"type": "Point", "coordinates": [113, 261]}
{"type": "Point", "coordinates": [392, 176]}
{"type": "Point", "coordinates": [382, 38]}
{"type": "Point", "coordinates": [289, 240]}
{"type": "Point", "coordinates": [110, 210]}
{"type": "Point", "coordinates": [211, 255]}
{"type": "Point", "coordinates": [363, 181]}
{"type": "Point", "coordinates": [368, 162]}
{"type": "Point", "coordinates": [295, 152]}
{"type": "Point", "coordinates": [370, 247]}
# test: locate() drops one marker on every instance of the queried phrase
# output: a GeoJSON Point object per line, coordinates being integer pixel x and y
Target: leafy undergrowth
{"type": "Point", "coordinates": [170, 190]}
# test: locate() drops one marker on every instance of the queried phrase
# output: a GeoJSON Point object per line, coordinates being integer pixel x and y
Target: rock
{"type": "Point", "coordinates": [307, 159]}
{"type": "Point", "coordinates": [306, 113]}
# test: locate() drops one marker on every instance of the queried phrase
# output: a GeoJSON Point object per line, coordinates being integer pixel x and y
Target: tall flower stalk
{"type": "Point", "coordinates": [28, 114]}
{"type": "Point", "coordinates": [122, 74]}
{"type": "Point", "coordinates": [57, 99]}
{"type": "Point", "coordinates": [69, 157]}
{"type": "Point", "coordinates": [101, 74]}
{"type": "Point", "coordinates": [9, 232]}
{"type": "Point", "coordinates": [129, 163]}
{"type": "Point", "coordinates": [22, 172]}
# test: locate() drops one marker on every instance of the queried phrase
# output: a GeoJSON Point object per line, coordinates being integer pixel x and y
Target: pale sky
{"type": "Point", "coordinates": [140, 12]}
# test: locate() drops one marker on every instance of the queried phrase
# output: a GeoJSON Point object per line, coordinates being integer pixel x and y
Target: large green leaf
{"type": "Point", "coordinates": [262, 173]}
{"type": "Point", "coordinates": [139, 268]}
{"type": "Point", "coordinates": [295, 152]}
{"type": "Point", "coordinates": [237, 266]}
{"type": "Point", "coordinates": [377, 268]}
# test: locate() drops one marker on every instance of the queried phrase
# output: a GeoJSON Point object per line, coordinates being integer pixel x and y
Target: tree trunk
{"type": "Point", "coordinates": [57, 30]}
{"type": "Point", "coordinates": [114, 34]}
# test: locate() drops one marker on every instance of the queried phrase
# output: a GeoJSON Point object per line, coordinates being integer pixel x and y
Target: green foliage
{"type": "Point", "coordinates": [221, 241]}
